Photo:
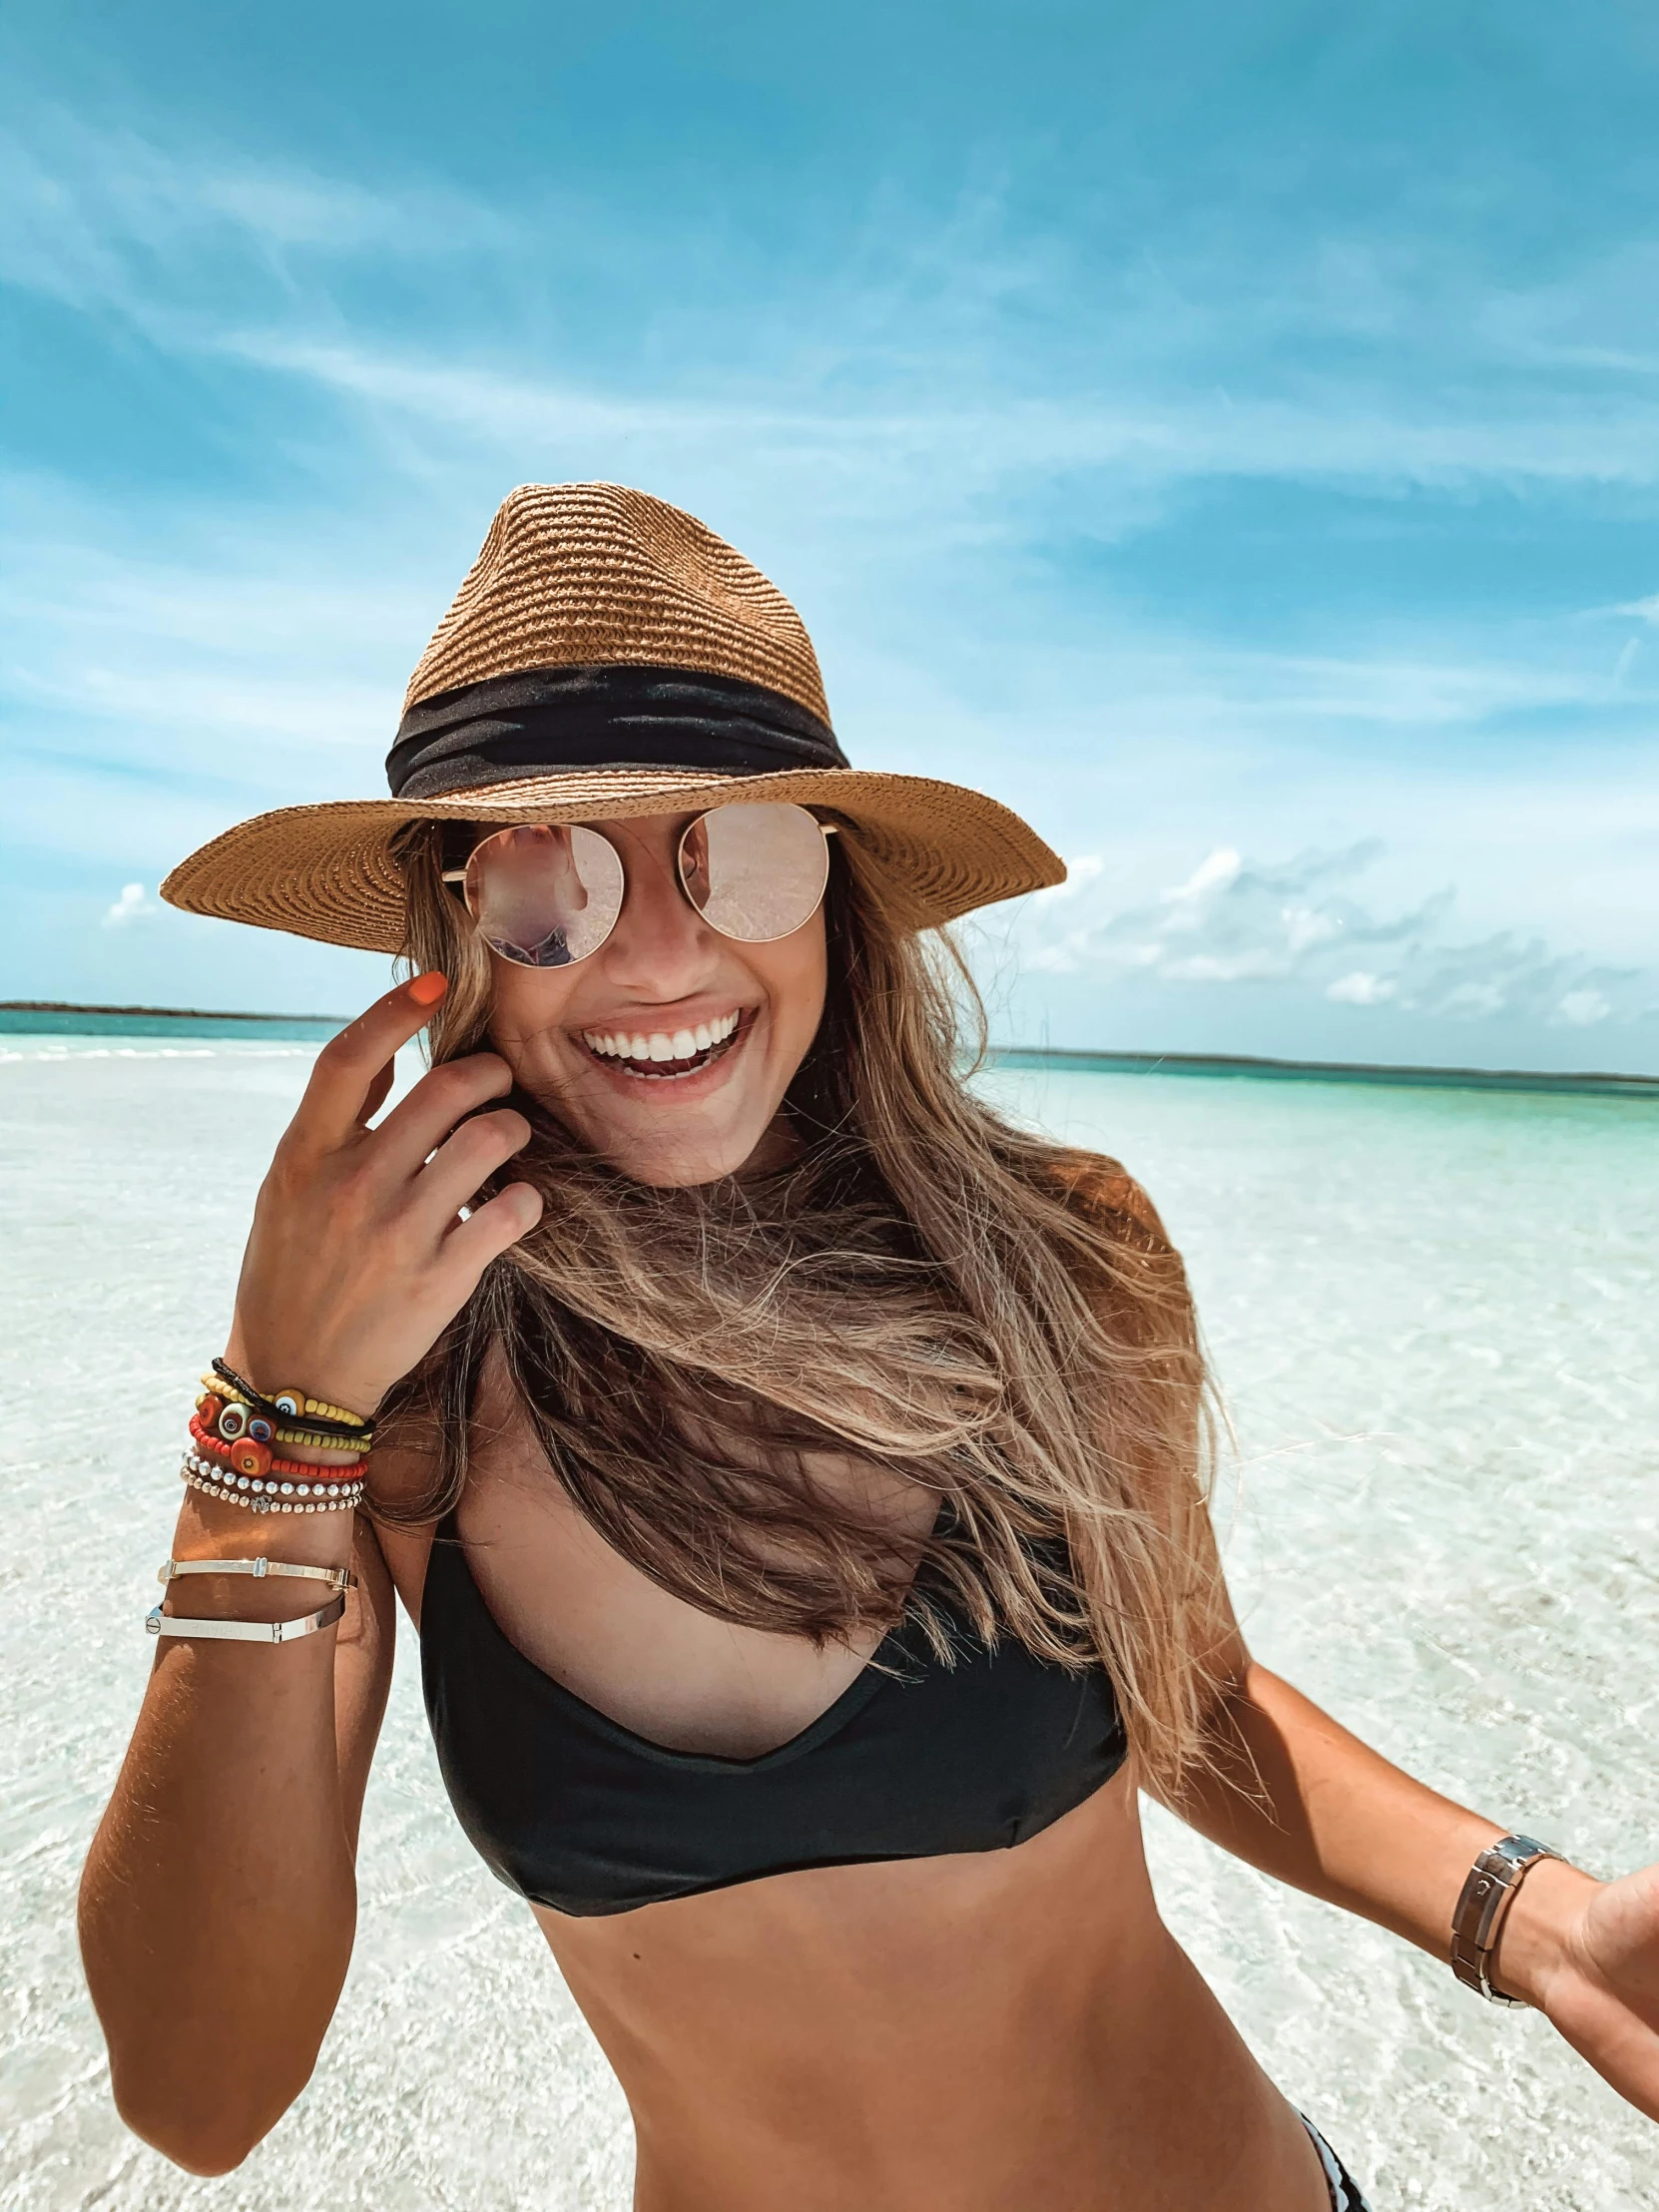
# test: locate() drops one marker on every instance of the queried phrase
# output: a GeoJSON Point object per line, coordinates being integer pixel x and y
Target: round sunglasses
{"type": "Point", "coordinates": [546, 895]}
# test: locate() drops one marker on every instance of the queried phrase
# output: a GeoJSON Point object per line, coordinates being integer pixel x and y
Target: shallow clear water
{"type": "Point", "coordinates": [1434, 1317]}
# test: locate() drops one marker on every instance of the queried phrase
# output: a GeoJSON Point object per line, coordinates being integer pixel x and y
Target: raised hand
{"type": "Point", "coordinates": [358, 1256]}
{"type": "Point", "coordinates": [1601, 1989]}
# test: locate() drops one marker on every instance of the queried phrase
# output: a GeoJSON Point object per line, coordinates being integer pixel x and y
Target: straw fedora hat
{"type": "Point", "coordinates": [607, 656]}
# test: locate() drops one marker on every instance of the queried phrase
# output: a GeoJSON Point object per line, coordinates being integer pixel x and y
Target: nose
{"type": "Point", "coordinates": [661, 947]}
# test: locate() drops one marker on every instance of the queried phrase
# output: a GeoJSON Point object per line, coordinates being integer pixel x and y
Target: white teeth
{"type": "Point", "coordinates": [684, 1044]}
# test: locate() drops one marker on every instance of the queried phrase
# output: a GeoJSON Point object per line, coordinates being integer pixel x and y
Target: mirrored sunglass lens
{"type": "Point", "coordinates": [755, 873]}
{"type": "Point", "coordinates": [543, 897]}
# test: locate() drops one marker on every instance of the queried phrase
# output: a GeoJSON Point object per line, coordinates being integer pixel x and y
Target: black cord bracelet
{"type": "Point", "coordinates": [351, 1432]}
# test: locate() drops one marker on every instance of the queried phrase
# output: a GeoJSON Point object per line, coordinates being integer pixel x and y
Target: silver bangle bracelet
{"type": "Point", "coordinates": [247, 1632]}
{"type": "Point", "coordinates": [1484, 1905]}
{"type": "Point", "coordinates": [272, 1493]}
{"type": "Point", "coordinates": [337, 1579]}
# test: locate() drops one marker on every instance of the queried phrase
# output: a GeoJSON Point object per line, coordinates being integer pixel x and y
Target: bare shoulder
{"type": "Point", "coordinates": [1105, 1191]}
{"type": "Point", "coordinates": [407, 1477]}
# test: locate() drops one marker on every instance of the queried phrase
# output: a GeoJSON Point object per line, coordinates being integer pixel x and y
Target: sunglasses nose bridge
{"type": "Point", "coordinates": [659, 945]}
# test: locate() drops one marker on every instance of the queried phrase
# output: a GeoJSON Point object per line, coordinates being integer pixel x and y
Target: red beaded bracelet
{"type": "Point", "coordinates": [250, 1456]}
{"type": "Point", "coordinates": [229, 1419]}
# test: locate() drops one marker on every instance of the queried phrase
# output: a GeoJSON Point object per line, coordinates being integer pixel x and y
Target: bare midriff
{"type": "Point", "coordinates": [1009, 2030]}
{"type": "Point", "coordinates": [973, 2033]}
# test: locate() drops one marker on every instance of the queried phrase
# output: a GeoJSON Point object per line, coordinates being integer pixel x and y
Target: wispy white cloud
{"type": "Point", "coordinates": [947, 405]}
{"type": "Point", "coordinates": [107, 218]}
{"type": "Point", "coordinates": [1297, 922]}
{"type": "Point", "coordinates": [134, 905]}
{"type": "Point", "coordinates": [215, 256]}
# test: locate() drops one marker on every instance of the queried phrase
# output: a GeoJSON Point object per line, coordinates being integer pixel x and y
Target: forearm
{"type": "Point", "coordinates": [219, 1903]}
{"type": "Point", "coordinates": [1301, 1798]}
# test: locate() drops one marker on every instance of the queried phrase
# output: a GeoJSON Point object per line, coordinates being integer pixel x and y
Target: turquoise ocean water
{"type": "Point", "coordinates": [1434, 1313]}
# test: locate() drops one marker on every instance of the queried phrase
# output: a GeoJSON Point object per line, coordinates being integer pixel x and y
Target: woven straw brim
{"type": "Point", "coordinates": [328, 871]}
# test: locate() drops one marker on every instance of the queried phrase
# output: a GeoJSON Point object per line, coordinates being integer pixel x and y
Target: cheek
{"type": "Point", "coordinates": [525, 1004]}
{"type": "Point", "coordinates": [795, 979]}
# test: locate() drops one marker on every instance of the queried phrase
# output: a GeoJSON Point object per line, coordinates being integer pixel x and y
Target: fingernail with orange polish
{"type": "Point", "coordinates": [427, 989]}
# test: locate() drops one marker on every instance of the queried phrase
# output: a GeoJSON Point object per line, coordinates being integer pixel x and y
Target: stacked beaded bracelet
{"type": "Point", "coordinates": [334, 1424]}
{"type": "Point", "coordinates": [232, 1424]}
{"type": "Point", "coordinates": [270, 1494]}
{"type": "Point", "coordinates": [289, 1403]}
{"type": "Point", "coordinates": [233, 1456]}
{"type": "Point", "coordinates": [233, 1416]}
{"type": "Point", "coordinates": [248, 1456]}
{"type": "Point", "coordinates": [249, 1415]}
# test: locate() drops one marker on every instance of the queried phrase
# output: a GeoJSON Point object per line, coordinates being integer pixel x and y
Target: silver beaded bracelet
{"type": "Point", "coordinates": [270, 1493]}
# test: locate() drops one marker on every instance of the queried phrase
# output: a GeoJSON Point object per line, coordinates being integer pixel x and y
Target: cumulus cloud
{"type": "Point", "coordinates": [1297, 922]}
{"type": "Point", "coordinates": [134, 905]}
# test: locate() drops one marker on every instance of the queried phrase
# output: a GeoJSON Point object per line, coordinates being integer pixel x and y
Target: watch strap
{"type": "Point", "coordinates": [1484, 1904]}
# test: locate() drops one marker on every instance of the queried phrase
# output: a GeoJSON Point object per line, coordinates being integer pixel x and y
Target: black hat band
{"type": "Point", "coordinates": [546, 719]}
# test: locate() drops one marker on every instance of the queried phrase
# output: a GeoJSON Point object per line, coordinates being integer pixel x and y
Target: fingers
{"type": "Point", "coordinates": [418, 1124]}
{"type": "Point", "coordinates": [379, 1092]}
{"type": "Point", "coordinates": [451, 1177]}
{"type": "Point", "coordinates": [484, 1236]}
{"type": "Point", "coordinates": [349, 1066]}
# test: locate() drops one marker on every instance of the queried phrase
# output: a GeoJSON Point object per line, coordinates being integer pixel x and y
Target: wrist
{"type": "Point", "coordinates": [209, 1529]}
{"type": "Point", "coordinates": [1540, 1929]}
{"type": "Point", "coordinates": [272, 1366]}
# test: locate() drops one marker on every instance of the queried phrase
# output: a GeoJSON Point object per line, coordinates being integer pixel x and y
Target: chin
{"type": "Point", "coordinates": [676, 1158]}
{"type": "Point", "coordinates": [675, 1170]}
{"type": "Point", "coordinates": [666, 1148]}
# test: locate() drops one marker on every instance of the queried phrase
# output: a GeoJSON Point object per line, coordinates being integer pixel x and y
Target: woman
{"type": "Point", "coordinates": [795, 1474]}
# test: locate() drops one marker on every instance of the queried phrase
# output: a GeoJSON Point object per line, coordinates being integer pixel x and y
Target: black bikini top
{"type": "Point", "coordinates": [913, 1760]}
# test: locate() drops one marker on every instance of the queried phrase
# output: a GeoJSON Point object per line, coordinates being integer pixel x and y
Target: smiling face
{"type": "Point", "coordinates": [669, 1049]}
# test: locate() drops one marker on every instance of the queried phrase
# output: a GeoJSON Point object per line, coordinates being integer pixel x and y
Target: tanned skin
{"type": "Point", "coordinates": [972, 2034]}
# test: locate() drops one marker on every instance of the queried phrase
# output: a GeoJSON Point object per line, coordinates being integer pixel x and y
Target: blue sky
{"type": "Point", "coordinates": [1230, 433]}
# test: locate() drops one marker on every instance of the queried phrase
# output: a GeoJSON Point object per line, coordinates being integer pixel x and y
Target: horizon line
{"type": "Point", "coordinates": [1215, 1064]}
{"type": "Point", "coordinates": [1404, 1073]}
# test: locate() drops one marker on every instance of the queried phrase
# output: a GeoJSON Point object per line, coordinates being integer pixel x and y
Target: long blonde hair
{"type": "Point", "coordinates": [926, 1285]}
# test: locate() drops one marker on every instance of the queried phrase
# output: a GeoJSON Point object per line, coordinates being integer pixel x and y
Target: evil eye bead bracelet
{"type": "Point", "coordinates": [233, 1454]}
{"type": "Point", "coordinates": [292, 1404]}
{"type": "Point", "coordinates": [292, 1408]}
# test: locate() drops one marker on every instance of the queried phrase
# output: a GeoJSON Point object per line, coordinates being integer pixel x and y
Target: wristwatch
{"type": "Point", "coordinates": [1484, 1905]}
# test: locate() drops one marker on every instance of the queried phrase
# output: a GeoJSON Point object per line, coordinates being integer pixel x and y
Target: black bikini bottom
{"type": "Point", "coordinates": [1345, 2194]}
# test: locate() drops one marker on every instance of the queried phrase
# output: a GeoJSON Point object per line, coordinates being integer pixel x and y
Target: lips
{"type": "Point", "coordinates": [660, 1054]}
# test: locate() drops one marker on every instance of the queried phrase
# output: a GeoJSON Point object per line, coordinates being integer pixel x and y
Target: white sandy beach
{"type": "Point", "coordinates": [1434, 1314]}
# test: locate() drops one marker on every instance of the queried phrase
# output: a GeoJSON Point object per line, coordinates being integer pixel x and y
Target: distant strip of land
{"type": "Point", "coordinates": [158, 1013]}
{"type": "Point", "coordinates": [1322, 1071]}
{"type": "Point", "coordinates": [38, 1017]}
{"type": "Point", "coordinates": [54, 1017]}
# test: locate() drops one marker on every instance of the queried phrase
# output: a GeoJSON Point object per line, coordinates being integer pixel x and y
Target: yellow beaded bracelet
{"type": "Point", "coordinates": [323, 1410]}
{"type": "Point", "coordinates": [315, 1443]}
{"type": "Point", "coordinates": [292, 1402]}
